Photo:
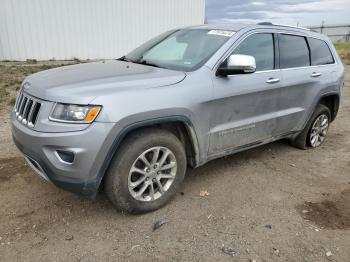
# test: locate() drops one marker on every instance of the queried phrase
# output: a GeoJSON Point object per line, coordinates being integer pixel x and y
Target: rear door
{"type": "Point", "coordinates": [323, 68]}
{"type": "Point", "coordinates": [294, 95]}
{"type": "Point", "coordinates": [302, 80]}
{"type": "Point", "coordinates": [244, 106]}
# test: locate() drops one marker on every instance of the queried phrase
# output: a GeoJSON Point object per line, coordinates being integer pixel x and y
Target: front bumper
{"type": "Point", "coordinates": [90, 147]}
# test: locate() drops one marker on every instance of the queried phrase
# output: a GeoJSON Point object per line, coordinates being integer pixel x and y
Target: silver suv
{"type": "Point", "coordinates": [183, 98]}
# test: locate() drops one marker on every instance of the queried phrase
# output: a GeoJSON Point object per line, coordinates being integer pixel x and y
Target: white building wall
{"type": "Point", "coordinates": [66, 29]}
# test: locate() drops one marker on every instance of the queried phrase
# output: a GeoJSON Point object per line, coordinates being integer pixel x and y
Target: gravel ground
{"type": "Point", "coordinates": [272, 203]}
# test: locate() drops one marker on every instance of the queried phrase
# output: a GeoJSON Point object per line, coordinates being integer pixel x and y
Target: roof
{"type": "Point", "coordinates": [224, 26]}
{"type": "Point", "coordinates": [237, 27]}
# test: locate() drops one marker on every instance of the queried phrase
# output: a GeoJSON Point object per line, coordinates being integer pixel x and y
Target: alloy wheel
{"type": "Point", "coordinates": [319, 130]}
{"type": "Point", "coordinates": [152, 174]}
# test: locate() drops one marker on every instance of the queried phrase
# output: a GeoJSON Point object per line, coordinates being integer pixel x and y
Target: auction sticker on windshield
{"type": "Point", "coordinates": [221, 32]}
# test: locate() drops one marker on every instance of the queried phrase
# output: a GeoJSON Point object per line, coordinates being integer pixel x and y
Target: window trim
{"type": "Point", "coordinates": [275, 33]}
{"type": "Point", "coordinates": [329, 49]}
{"type": "Point", "coordinates": [307, 45]}
{"type": "Point", "coordinates": [315, 37]}
{"type": "Point", "coordinates": [273, 46]}
{"type": "Point", "coordinates": [241, 39]}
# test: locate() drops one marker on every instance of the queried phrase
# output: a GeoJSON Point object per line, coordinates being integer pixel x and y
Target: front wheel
{"type": "Point", "coordinates": [314, 134]}
{"type": "Point", "coordinates": [146, 172]}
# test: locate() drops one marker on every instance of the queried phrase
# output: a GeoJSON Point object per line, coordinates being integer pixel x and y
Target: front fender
{"type": "Point", "coordinates": [134, 122]}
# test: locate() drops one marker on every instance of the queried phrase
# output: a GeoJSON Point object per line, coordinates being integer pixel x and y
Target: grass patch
{"type": "Point", "coordinates": [343, 50]}
{"type": "Point", "coordinates": [11, 77]}
{"type": "Point", "coordinates": [12, 101]}
{"type": "Point", "coordinates": [3, 94]}
{"type": "Point", "coordinates": [342, 46]}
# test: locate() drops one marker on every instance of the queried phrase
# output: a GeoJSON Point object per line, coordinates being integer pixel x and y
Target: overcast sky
{"type": "Point", "coordinates": [293, 12]}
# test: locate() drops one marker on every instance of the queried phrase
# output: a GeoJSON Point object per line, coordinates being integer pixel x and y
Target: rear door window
{"type": "Point", "coordinates": [320, 53]}
{"type": "Point", "coordinates": [261, 47]}
{"type": "Point", "coordinates": [294, 51]}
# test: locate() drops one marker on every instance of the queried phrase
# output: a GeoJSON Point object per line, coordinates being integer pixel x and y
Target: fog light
{"type": "Point", "coordinates": [65, 156]}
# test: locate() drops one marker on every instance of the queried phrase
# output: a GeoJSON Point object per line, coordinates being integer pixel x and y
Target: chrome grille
{"type": "Point", "coordinates": [27, 109]}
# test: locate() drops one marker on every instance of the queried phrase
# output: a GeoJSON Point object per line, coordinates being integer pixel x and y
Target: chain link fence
{"type": "Point", "coordinates": [337, 33]}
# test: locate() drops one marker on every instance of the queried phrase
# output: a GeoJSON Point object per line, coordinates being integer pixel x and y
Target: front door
{"type": "Point", "coordinates": [244, 106]}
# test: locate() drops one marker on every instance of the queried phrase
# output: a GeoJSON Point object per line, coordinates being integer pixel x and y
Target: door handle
{"type": "Point", "coordinates": [316, 74]}
{"type": "Point", "coordinates": [272, 80]}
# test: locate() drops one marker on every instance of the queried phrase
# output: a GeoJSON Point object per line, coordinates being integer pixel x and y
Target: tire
{"type": "Point", "coordinates": [120, 180]}
{"type": "Point", "coordinates": [303, 140]}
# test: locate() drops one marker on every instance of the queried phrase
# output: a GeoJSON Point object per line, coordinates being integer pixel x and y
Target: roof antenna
{"type": "Point", "coordinates": [264, 23]}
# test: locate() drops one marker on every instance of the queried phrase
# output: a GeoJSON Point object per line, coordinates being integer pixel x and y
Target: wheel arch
{"type": "Point", "coordinates": [330, 100]}
{"type": "Point", "coordinates": [180, 125]}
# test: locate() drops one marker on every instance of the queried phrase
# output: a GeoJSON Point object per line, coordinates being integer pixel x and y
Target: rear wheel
{"type": "Point", "coordinates": [319, 130]}
{"type": "Point", "coordinates": [314, 134]}
{"type": "Point", "coordinates": [146, 172]}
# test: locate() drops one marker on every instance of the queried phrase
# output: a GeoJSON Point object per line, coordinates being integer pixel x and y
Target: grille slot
{"type": "Point", "coordinates": [27, 109]}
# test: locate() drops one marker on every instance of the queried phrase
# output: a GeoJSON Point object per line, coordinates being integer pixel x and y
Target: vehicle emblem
{"type": "Point", "coordinates": [26, 86]}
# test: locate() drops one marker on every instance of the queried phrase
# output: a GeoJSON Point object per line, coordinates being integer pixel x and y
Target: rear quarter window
{"type": "Point", "coordinates": [294, 51]}
{"type": "Point", "coordinates": [320, 53]}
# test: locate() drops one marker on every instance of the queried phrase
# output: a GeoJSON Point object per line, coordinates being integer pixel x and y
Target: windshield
{"type": "Point", "coordinates": [182, 50]}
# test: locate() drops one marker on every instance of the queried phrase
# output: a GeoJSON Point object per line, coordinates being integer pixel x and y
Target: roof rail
{"type": "Point", "coordinates": [269, 23]}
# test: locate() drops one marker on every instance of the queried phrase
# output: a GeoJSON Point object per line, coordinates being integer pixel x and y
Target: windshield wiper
{"type": "Point", "coordinates": [140, 61]}
{"type": "Point", "coordinates": [124, 58]}
{"type": "Point", "coordinates": [145, 62]}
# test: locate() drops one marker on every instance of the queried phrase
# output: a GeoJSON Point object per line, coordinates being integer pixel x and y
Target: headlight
{"type": "Point", "coordinates": [74, 113]}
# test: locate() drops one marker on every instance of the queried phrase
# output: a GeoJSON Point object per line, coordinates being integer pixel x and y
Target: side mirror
{"type": "Point", "coordinates": [237, 64]}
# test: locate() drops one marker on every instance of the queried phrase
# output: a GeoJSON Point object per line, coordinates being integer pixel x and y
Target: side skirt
{"type": "Point", "coordinates": [249, 146]}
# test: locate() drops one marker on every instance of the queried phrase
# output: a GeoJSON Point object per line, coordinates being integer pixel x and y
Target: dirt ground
{"type": "Point", "coordinates": [272, 203]}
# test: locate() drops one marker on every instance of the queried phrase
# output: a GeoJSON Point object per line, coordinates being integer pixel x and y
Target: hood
{"type": "Point", "coordinates": [82, 83]}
